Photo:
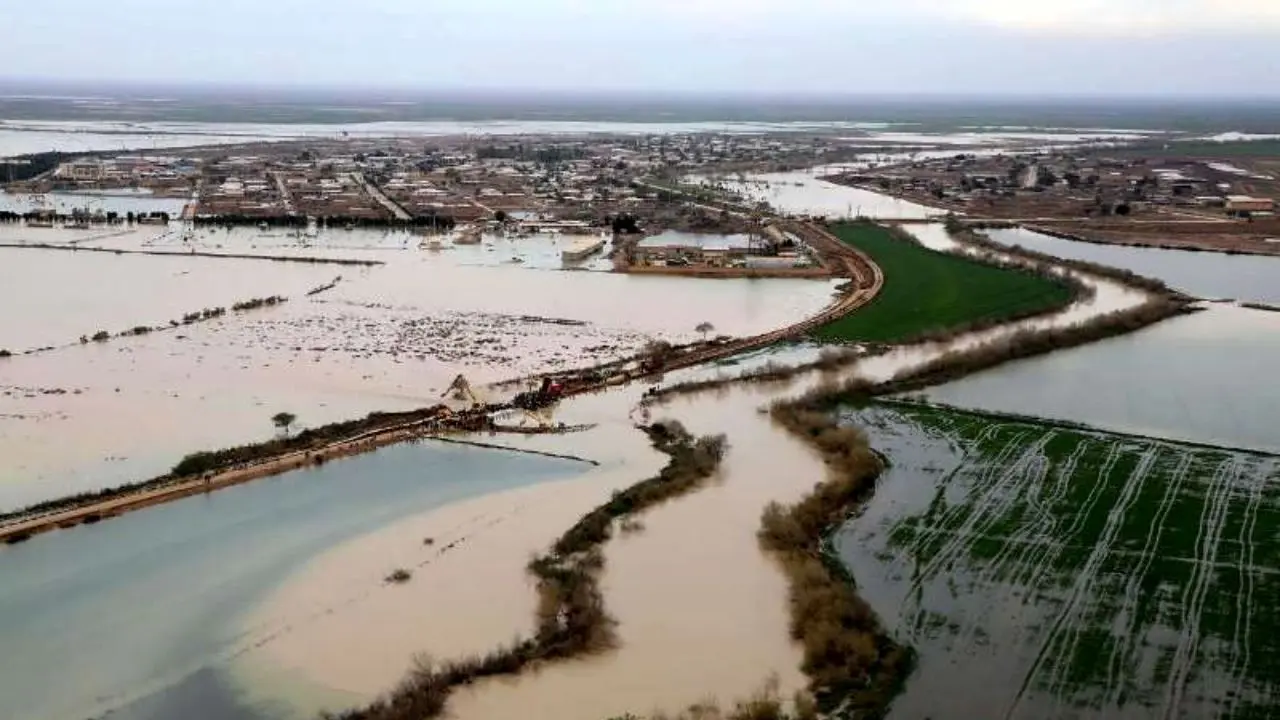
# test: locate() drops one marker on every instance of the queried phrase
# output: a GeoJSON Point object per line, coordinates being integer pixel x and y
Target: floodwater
{"type": "Point", "coordinates": [34, 136]}
{"type": "Point", "coordinates": [801, 193]}
{"type": "Point", "coordinates": [1043, 571]}
{"type": "Point", "coordinates": [52, 298]}
{"type": "Point", "coordinates": [680, 625]}
{"type": "Point", "coordinates": [385, 338]}
{"type": "Point", "coordinates": [149, 609]}
{"type": "Point", "coordinates": [1206, 378]}
{"type": "Point", "coordinates": [66, 203]}
{"type": "Point", "coordinates": [1248, 278]}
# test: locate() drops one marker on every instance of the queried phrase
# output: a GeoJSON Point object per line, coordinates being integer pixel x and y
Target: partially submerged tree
{"type": "Point", "coordinates": [283, 421]}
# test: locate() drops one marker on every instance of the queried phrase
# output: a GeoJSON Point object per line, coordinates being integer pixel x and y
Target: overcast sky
{"type": "Point", "coordinates": [1229, 47]}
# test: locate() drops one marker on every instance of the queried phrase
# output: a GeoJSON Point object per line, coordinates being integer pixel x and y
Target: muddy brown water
{"type": "Point", "coordinates": [683, 589]}
{"type": "Point", "coordinates": [386, 338]}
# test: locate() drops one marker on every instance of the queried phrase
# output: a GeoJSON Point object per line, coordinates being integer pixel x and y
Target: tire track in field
{"type": "Point", "coordinates": [1038, 564]}
{"type": "Point", "coordinates": [1033, 468]}
{"type": "Point", "coordinates": [1091, 500]}
{"type": "Point", "coordinates": [1084, 577]}
{"type": "Point", "coordinates": [1241, 638]}
{"type": "Point", "coordinates": [1208, 537]}
{"type": "Point", "coordinates": [936, 527]}
{"type": "Point", "coordinates": [1124, 652]}
{"type": "Point", "coordinates": [1088, 577]}
{"type": "Point", "coordinates": [994, 498]}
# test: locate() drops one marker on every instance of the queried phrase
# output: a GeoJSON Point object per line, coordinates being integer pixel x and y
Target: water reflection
{"type": "Point", "coordinates": [1250, 278]}
{"type": "Point", "coordinates": [1206, 377]}
{"type": "Point", "coordinates": [130, 607]}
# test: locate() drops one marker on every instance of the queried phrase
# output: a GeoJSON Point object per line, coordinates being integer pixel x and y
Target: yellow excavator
{"type": "Point", "coordinates": [460, 389]}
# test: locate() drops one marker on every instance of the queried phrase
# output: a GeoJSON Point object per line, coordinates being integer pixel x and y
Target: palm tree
{"type": "Point", "coordinates": [283, 421]}
{"type": "Point", "coordinates": [704, 328]}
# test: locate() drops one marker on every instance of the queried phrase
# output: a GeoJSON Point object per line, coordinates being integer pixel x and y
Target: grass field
{"type": "Point", "coordinates": [929, 292]}
{"type": "Point", "coordinates": [1049, 571]}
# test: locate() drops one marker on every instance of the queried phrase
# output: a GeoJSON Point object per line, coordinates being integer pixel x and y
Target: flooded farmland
{"type": "Point", "coordinates": [1053, 571]}
{"type": "Point", "coordinates": [387, 337]}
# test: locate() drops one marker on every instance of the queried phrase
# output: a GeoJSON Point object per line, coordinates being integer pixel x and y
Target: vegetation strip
{"type": "Point", "coordinates": [191, 318]}
{"type": "Point", "coordinates": [853, 664]}
{"type": "Point", "coordinates": [1260, 306]}
{"type": "Point", "coordinates": [928, 293]}
{"type": "Point", "coordinates": [196, 253]}
{"type": "Point", "coordinates": [203, 470]}
{"type": "Point", "coordinates": [855, 667]}
{"type": "Point", "coordinates": [571, 617]}
{"type": "Point", "coordinates": [968, 234]}
{"type": "Point", "coordinates": [829, 359]}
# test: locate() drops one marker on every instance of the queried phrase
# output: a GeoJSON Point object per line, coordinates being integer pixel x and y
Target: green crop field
{"type": "Point", "coordinates": [927, 291]}
{"type": "Point", "coordinates": [1051, 571]}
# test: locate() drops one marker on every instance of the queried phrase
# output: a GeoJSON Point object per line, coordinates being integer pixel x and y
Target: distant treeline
{"type": "Point", "coordinates": [110, 218]}
{"type": "Point", "coordinates": [25, 167]}
{"type": "Point", "coordinates": [435, 222]}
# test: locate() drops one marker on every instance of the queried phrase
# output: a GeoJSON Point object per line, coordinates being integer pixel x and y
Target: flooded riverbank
{"type": "Point", "coordinates": [802, 193]}
{"type": "Point", "coordinates": [177, 607]}
{"type": "Point", "coordinates": [1203, 378]}
{"type": "Point", "coordinates": [1248, 278]}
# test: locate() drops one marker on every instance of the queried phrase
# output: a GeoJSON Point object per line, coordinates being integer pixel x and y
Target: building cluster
{"type": "Point", "coordinates": [769, 249]}
{"type": "Point", "coordinates": [166, 176]}
{"type": "Point", "coordinates": [1065, 184]}
{"type": "Point", "coordinates": [586, 178]}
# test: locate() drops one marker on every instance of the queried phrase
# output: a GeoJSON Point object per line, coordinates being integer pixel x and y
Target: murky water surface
{"type": "Point", "coordinates": [388, 337]}
{"type": "Point", "coordinates": [803, 192]}
{"type": "Point", "coordinates": [1205, 378]}
{"type": "Point", "coordinates": [1248, 278]}
{"type": "Point", "coordinates": [150, 608]}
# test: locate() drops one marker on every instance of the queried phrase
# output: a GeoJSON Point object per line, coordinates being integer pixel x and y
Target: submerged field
{"type": "Point", "coordinates": [927, 291]}
{"type": "Point", "coordinates": [1051, 571]}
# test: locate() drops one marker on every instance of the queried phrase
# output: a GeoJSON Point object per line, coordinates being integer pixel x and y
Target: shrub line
{"type": "Point", "coordinates": [855, 666]}
{"type": "Point", "coordinates": [571, 617]}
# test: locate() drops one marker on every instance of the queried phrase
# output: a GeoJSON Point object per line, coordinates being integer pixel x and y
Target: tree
{"type": "Point", "coordinates": [500, 216]}
{"type": "Point", "coordinates": [704, 328]}
{"type": "Point", "coordinates": [283, 421]}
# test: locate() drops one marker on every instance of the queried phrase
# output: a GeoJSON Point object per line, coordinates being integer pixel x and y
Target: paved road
{"type": "Point", "coordinates": [374, 192]}
{"type": "Point", "coordinates": [286, 197]}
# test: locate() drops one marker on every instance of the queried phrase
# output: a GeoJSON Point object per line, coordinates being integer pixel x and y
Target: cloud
{"type": "Point", "coordinates": [1085, 17]}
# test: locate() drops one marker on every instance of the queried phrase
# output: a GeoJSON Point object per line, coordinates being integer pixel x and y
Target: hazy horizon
{"type": "Point", "coordinates": [994, 48]}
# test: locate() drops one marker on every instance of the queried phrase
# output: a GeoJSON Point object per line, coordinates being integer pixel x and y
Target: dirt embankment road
{"type": "Point", "coordinates": [867, 281]}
